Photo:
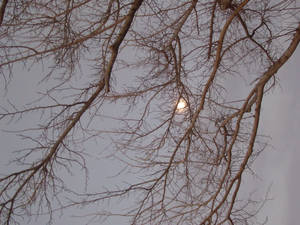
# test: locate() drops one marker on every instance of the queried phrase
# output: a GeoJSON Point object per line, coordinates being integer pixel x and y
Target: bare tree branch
{"type": "Point", "coordinates": [167, 67]}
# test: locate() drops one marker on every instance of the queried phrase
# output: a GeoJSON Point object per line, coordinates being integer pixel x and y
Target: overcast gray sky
{"type": "Point", "coordinates": [278, 165]}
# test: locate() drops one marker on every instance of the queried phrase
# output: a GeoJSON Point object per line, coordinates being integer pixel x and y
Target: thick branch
{"type": "Point", "coordinates": [2, 10]}
{"type": "Point", "coordinates": [115, 47]}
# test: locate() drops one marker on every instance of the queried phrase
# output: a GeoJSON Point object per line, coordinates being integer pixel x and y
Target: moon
{"type": "Point", "coordinates": [181, 105]}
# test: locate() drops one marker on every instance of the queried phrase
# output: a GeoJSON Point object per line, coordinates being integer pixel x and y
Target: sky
{"type": "Point", "coordinates": [278, 165]}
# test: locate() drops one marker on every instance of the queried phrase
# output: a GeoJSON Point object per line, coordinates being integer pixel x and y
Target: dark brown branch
{"type": "Point", "coordinates": [115, 46]}
{"type": "Point", "coordinates": [211, 30]}
{"type": "Point", "coordinates": [2, 10]}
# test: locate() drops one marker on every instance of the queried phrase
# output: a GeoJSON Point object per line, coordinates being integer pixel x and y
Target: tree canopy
{"type": "Point", "coordinates": [163, 74]}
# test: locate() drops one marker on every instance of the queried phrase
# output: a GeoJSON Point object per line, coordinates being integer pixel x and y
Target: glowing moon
{"type": "Point", "coordinates": [181, 104]}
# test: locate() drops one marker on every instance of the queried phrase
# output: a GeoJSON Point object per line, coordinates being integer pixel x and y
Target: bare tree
{"type": "Point", "coordinates": [192, 158]}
